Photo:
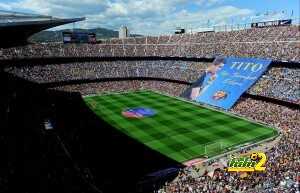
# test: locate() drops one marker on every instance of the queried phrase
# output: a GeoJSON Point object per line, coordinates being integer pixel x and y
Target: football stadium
{"type": "Point", "coordinates": [149, 113]}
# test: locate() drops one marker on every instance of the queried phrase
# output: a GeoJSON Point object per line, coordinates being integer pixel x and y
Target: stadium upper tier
{"type": "Point", "coordinates": [276, 43]}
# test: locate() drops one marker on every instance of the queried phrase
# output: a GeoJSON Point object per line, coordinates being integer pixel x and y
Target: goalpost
{"type": "Point", "coordinates": [208, 149]}
{"type": "Point", "coordinates": [213, 148]}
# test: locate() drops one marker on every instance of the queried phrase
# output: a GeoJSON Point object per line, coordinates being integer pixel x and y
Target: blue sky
{"type": "Point", "coordinates": [158, 16]}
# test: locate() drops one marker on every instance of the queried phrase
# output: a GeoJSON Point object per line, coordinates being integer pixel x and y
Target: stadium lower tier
{"type": "Point", "coordinates": [77, 130]}
{"type": "Point", "coordinates": [283, 158]}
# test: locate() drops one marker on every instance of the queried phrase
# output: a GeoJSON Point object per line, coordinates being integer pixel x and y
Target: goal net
{"type": "Point", "coordinates": [214, 148]}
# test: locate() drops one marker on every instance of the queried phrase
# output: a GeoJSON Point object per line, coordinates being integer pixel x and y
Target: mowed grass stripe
{"type": "Point", "coordinates": [175, 143]}
{"type": "Point", "coordinates": [182, 142]}
{"type": "Point", "coordinates": [180, 129]}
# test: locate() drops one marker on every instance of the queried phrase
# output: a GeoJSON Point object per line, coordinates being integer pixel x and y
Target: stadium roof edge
{"type": "Point", "coordinates": [16, 31]}
{"type": "Point", "coordinates": [51, 22]}
{"type": "Point", "coordinates": [20, 14]}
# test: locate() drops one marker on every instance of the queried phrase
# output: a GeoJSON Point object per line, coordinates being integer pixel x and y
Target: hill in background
{"type": "Point", "coordinates": [56, 36]}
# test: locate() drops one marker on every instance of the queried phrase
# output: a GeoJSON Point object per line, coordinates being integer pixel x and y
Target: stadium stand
{"type": "Point", "coordinates": [171, 88]}
{"type": "Point", "coordinates": [149, 63]}
{"type": "Point", "coordinates": [175, 70]}
{"type": "Point", "coordinates": [281, 45]}
{"type": "Point", "coordinates": [279, 83]}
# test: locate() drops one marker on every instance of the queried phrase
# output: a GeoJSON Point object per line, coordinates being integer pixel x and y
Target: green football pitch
{"type": "Point", "coordinates": [180, 129]}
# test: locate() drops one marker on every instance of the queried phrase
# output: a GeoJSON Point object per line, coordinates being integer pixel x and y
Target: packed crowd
{"type": "Point", "coordinates": [276, 43]}
{"type": "Point", "coordinates": [168, 69]}
{"type": "Point", "coordinates": [282, 168]}
{"type": "Point", "coordinates": [272, 114]}
{"type": "Point", "coordinates": [279, 83]}
{"type": "Point", "coordinates": [170, 88]}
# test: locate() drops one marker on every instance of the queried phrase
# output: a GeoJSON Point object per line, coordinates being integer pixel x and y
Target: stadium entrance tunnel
{"type": "Point", "coordinates": [55, 143]}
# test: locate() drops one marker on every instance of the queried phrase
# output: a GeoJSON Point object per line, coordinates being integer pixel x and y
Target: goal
{"type": "Point", "coordinates": [213, 148]}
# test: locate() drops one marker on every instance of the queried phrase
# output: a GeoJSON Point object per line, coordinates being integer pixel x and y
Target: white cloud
{"type": "Point", "coordinates": [141, 16]}
{"type": "Point", "coordinates": [5, 7]}
{"type": "Point", "coordinates": [116, 10]}
{"type": "Point", "coordinates": [62, 8]}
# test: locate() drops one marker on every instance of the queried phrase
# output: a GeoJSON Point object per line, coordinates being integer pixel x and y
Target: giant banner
{"type": "Point", "coordinates": [227, 79]}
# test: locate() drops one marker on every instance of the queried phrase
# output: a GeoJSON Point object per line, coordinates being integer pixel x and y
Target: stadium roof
{"type": "Point", "coordinates": [16, 28]}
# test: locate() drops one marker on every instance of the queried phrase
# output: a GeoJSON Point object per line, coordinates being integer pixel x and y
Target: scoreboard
{"type": "Point", "coordinates": [79, 37]}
